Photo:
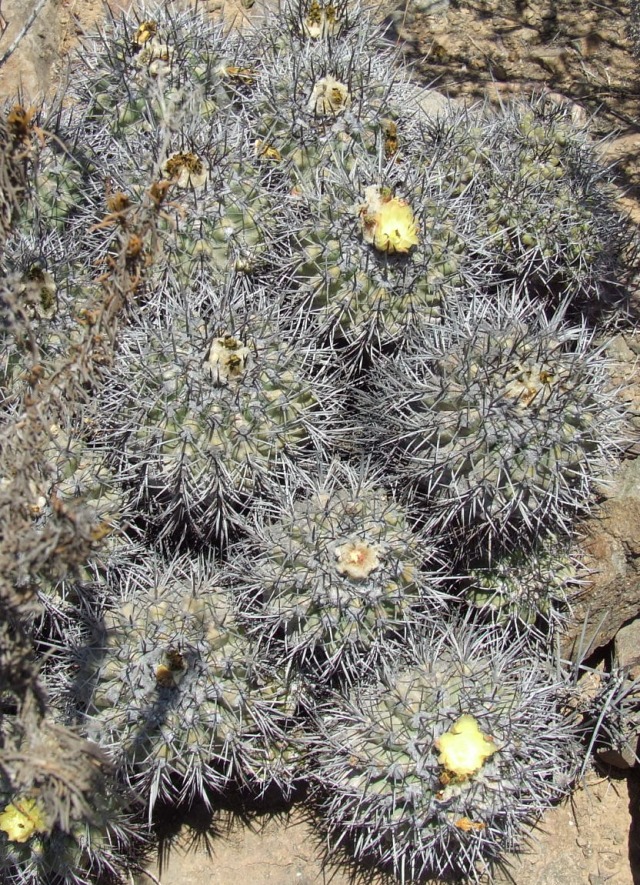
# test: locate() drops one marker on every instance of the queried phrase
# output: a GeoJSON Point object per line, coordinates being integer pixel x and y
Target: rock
{"type": "Point", "coordinates": [623, 759]}
{"type": "Point", "coordinates": [429, 7]}
{"type": "Point", "coordinates": [627, 648]}
{"type": "Point", "coordinates": [433, 103]}
{"type": "Point", "coordinates": [405, 12]}
{"type": "Point", "coordinates": [611, 547]}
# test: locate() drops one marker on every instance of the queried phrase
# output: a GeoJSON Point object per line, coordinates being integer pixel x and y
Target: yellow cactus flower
{"type": "Point", "coordinates": [388, 222]}
{"type": "Point", "coordinates": [147, 31]}
{"type": "Point", "coordinates": [464, 749]}
{"type": "Point", "coordinates": [22, 819]}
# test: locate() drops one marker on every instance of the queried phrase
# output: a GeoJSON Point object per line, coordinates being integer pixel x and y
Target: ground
{"type": "Point", "coordinates": [471, 50]}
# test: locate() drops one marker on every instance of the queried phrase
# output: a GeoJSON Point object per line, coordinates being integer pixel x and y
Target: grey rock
{"type": "Point", "coordinates": [429, 7]}
{"type": "Point", "coordinates": [623, 759]}
{"type": "Point", "coordinates": [627, 648]}
{"type": "Point", "coordinates": [611, 551]}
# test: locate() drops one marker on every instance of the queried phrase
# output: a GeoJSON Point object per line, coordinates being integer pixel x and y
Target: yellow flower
{"type": "Point", "coordinates": [21, 819]}
{"type": "Point", "coordinates": [464, 749]}
{"type": "Point", "coordinates": [147, 31]}
{"type": "Point", "coordinates": [388, 222]}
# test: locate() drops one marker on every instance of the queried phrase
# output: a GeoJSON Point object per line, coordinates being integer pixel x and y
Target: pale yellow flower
{"type": "Point", "coordinates": [388, 222]}
{"type": "Point", "coordinates": [464, 749]}
{"type": "Point", "coordinates": [227, 359]}
{"type": "Point", "coordinates": [329, 97]}
{"type": "Point", "coordinates": [357, 559]}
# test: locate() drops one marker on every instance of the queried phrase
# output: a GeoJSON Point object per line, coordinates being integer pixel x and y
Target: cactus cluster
{"type": "Point", "coordinates": [216, 415]}
{"type": "Point", "coordinates": [175, 692]}
{"type": "Point", "coordinates": [316, 389]}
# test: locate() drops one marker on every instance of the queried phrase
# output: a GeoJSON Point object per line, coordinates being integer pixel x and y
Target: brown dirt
{"type": "Point", "coordinates": [476, 49]}
{"type": "Point", "coordinates": [585, 841]}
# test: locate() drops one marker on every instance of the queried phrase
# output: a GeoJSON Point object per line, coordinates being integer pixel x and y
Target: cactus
{"type": "Point", "coordinates": [96, 851]}
{"type": "Point", "coordinates": [531, 589]}
{"type": "Point", "coordinates": [605, 701]}
{"type": "Point", "coordinates": [229, 226]}
{"type": "Point", "coordinates": [82, 830]}
{"type": "Point", "coordinates": [142, 69]}
{"type": "Point", "coordinates": [326, 579]}
{"type": "Point", "coordinates": [203, 422]}
{"type": "Point", "coordinates": [321, 95]}
{"type": "Point", "coordinates": [541, 202]}
{"type": "Point", "coordinates": [77, 484]}
{"type": "Point", "coordinates": [435, 768]}
{"type": "Point", "coordinates": [223, 230]}
{"type": "Point", "coordinates": [503, 417]}
{"type": "Point", "coordinates": [41, 293]}
{"type": "Point", "coordinates": [177, 695]}
{"type": "Point", "coordinates": [376, 259]}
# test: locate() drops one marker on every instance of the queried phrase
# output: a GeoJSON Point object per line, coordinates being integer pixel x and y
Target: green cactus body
{"type": "Point", "coordinates": [47, 293]}
{"type": "Point", "coordinates": [199, 440]}
{"type": "Point", "coordinates": [179, 700]}
{"type": "Point", "coordinates": [308, 103]}
{"type": "Point", "coordinates": [456, 150]}
{"type": "Point", "coordinates": [355, 285]}
{"type": "Point", "coordinates": [541, 203]}
{"type": "Point", "coordinates": [60, 185]}
{"type": "Point", "coordinates": [334, 575]}
{"type": "Point", "coordinates": [502, 420]}
{"type": "Point", "coordinates": [229, 226]}
{"type": "Point", "coordinates": [393, 783]}
{"type": "Point", "coordinates": [170, 62]}
{"type": "Point", "coordinates": [529, 588]}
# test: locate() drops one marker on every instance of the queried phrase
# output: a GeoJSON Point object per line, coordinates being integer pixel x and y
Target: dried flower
{"type": "Point", "coordinates": [186, 169]}
{"type": "Point", "coordinates": [329, 97]}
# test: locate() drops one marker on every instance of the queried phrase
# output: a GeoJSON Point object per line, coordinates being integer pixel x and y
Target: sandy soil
{"type": "Point", "coordinates": [585, 841]}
